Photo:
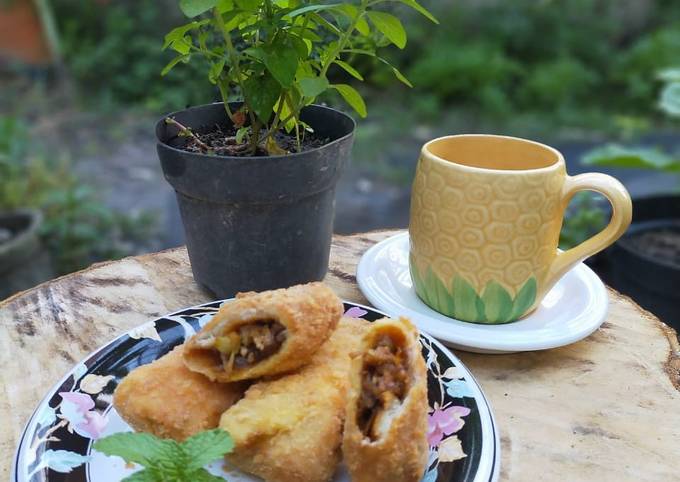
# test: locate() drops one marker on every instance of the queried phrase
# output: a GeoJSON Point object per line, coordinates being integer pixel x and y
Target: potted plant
{"type": "Point", "coordinates": [255, 174]}
{"type": "Point", "coordinates": [645, 262]}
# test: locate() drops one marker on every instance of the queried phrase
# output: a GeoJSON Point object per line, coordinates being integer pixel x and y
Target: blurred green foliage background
{"type": "Point", "coordinates": [573, 61]}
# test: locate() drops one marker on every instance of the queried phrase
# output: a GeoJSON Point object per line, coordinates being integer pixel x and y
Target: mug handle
{"type": "Point", "coordinates": [622, 211]}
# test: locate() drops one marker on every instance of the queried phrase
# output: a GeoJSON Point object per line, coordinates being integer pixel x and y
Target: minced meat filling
{"type": "Point", "coordinates": [252, 343]}
{"type": "Point", "coordinates": [384, 380]}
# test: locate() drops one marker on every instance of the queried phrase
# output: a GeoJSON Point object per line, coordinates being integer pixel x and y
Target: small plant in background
{"type": "Point", "coordinates": [275, 57]}
{"type": "Point", "coordinates": [78, 230]}
{"type": "Point", "coordinates": [615, 155]}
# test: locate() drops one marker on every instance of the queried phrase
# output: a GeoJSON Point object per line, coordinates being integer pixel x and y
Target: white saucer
{"type": "Point", "coordinates": [572, 310]}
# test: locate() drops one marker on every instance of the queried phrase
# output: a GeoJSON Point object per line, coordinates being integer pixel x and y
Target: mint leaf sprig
{"type": "Point", "coordinates": [166, 460]}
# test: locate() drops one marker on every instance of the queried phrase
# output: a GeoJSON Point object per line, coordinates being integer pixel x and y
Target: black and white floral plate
{"type": "Point", "coordinates": [56, 445]}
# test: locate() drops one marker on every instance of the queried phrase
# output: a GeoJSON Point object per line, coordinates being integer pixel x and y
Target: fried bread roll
{"type": "Point", "coordinates": [385, 437]}
{"type": "Point", "coordinates": [289, 429]}
{"type": "Point", "coordinates": [262, 334]}
{"type": "Point", "coordinates": [170, 401]}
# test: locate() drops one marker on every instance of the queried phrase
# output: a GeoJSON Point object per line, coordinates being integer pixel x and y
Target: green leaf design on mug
{"type": "Point", "coordinates": [466, 301]}
{"type": "Point", "coordinates": [444, 301]}
{"type": "Point", "coordinates": [497, 303]}
{"type": "Point", "coordinates": [524, 299]}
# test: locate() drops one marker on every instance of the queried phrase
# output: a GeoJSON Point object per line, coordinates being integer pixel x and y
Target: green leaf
{"type": "Point", "coordinates": [524, 298]}
{"type": "Point", "coordinates": [178, 33]}
{"type": "Point", "coordinates": [390, 26]}
{"type": "Point", "coordinates": [362, 27]}
{"type": "Point", "coordinates": [420, 9]}
{"type": "Point", "coordinates": [614, 155]}
{"type": "Point", "coordinates": [300, 46]}
{"type": "Point", "coordinates": [205, 447]}
{"type": "Point", "coordinates": [262, 93]}
{"type": "Point", "coordinates": [140, 448]}
{"type": "Point", "coordinates": [437, 292]}
{"type": "Point", "coordinates": [370, 53]}
{"type": "Point", "coordinates": [465, 299]}
{"type": "Point", "coordinates": [193, 8]}
{"type": "Point", "coordinates": [255, 52]}
{"type": "Point", "coordinates": [182, 45]}
{"type": "Point", "coordinates": [497, 303]}
{"type": "Point", "coordinates": [224, 6]}
{"type": "Point", "coordinates": [402, 78]}
{"type": "Point", "coordinates": [311, 8]}
{"type": "Point", "coordinates": [352, 97]}
{"type": "Point", "coordinates": [306, 33]}
{"type": "Point", "coordinates": [670, 99]}
{"type": "Point", "coordinates": [418, 283]}
{"type": "Point", "coordinates": [146, 475]}
{"type": "Point", "coordinates": [285, 113]}
{"type": "Point", "coordinates": [349, 69]}
{"type": "Point", "coordinates": [313, 86]}
{"type": "Point", "coordinates": [281, 60]}
{"type": "Point", "coordinates": [319, 20]}
{"type": "Point", "coordinates": [352, 12]}
{"type": "Point", "coordinates": [234, 19]}
{"type": "Point", "coordinates": [203, 475]}
{"type": "Point", "coordinates": [241, 134]}
{"type": "Point", "coordinates": [175, 61]}
{"type": "Point", "coordinates": [248, 5]}
{"type": "Point", "coordinates": [215, 71]}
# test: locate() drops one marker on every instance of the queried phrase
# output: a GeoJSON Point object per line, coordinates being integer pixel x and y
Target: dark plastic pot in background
{"type": "Point", "coordinates": [653, 283]}
{"type": "Point", "coordinates": [256, 223]}
{"type": "Point", "coordinates": [23, 261]}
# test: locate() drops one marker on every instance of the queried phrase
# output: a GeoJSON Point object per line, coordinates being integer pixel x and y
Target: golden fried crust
{"type": "Point", "coordinates": [289, 429]}
{"type": "Point", "coordinates": [170, 401]}
{"type": "Point", "coordinates": [400, 455]}
{"type": "Point", "coordinates": [309, 313]}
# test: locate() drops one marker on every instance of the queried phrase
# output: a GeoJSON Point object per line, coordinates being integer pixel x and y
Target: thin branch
{"type": "Point", "coordinates": [185, 131]}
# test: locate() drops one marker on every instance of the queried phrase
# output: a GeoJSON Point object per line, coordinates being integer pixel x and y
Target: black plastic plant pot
{"type": "Point", "coordinates": [23, 261]}
{"type": "Point", "coordinates": [256, 223]}
{"type": "Point", "coordinates": [652, 282]}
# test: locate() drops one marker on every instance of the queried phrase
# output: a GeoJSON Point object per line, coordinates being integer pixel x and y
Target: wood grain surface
{"type": "Point", "coordinates": [603, 409]}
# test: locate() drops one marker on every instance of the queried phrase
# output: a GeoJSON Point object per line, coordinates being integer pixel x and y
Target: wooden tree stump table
{"type": "Point", "coordinates": [603, 409]}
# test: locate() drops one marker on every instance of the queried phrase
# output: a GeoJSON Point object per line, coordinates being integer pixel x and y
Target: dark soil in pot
{"type": "Point", "coordinates": [256, 223]}
{"type": "Point", "coordinates": [645, 262]}
{"type": "Point", "coordinates": [23, 261]}
{"type": "Point", "coordinates": [222, 138]}
{"type": "Point", "coordinates": [661, 242]}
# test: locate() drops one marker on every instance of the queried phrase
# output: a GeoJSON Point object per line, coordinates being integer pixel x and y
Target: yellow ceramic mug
{"type": "Point", "coordinates": [486, 214]}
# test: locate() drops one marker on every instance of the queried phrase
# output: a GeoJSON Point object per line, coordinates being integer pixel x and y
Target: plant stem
{"type": "Point", "coordinates": [233, 57]}
{"type": "Point", "coordinates": [187, 132]}
{"type": "Point", "coordinates": [297, 137]}
{"type": "Point", "coordinates": [225, 98]}
{"type": "Point", "coordinates": [343, 40]}
{"type": "Point", "coordinates": [255, 138]}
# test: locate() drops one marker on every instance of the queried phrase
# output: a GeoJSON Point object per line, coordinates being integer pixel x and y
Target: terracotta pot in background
{"type": "Point", "coordinates": [22, 36]}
